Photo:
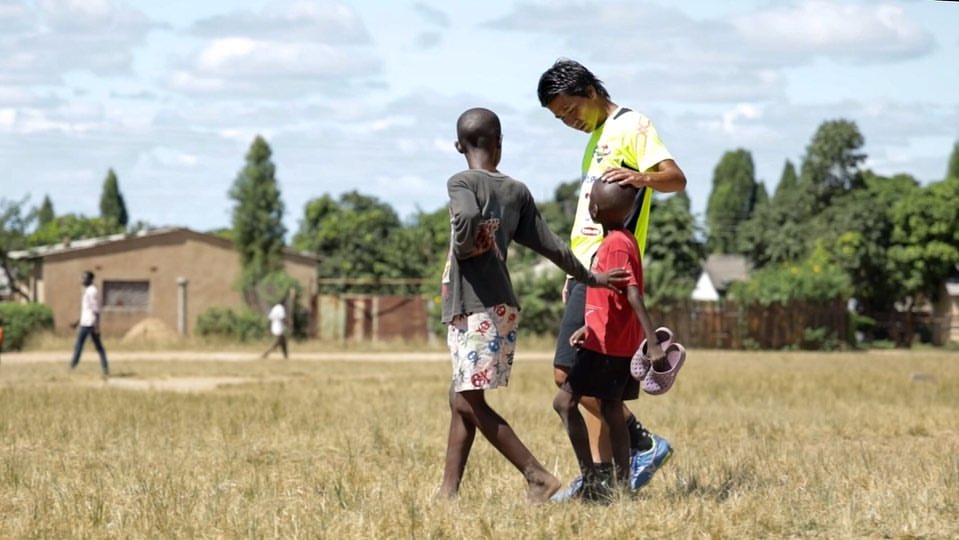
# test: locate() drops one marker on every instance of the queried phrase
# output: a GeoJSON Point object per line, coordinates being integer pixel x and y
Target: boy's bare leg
{"type": "Point", "coordinates": [458, 445]}
{"type": "Point", "coordinates": [618, 437]}
{"type": "Point", "coordinates": [598, 434]}
{"type": "Point", "coordinates": [599, 445]}
{"type": "Point", "coordinates": [541, 483]}
{"type": "Point", "coordinates": [565, 404]}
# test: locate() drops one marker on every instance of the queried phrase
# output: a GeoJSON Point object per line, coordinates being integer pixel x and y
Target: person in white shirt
{"type": "Point", "coordinates": [277, 317]}
{"type": "Point", "coordinates": [89, 323]}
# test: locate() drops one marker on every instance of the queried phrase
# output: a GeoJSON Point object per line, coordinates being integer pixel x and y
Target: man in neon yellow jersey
{"type": "Point", "coordinates": [624, 147]}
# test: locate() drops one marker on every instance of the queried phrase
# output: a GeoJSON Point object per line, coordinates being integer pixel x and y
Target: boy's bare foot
{"type": "Point", "coordinates": [445, 495]}
{"type": "Point", "coordinates": [542, 486]}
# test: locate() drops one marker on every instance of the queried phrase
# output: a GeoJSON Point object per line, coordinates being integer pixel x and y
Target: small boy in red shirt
{"type": "Point", "coordinates": [616, 323]}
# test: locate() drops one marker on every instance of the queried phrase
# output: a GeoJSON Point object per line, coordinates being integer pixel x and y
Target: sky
{"type": "Point", "coordinates": [363, 95]}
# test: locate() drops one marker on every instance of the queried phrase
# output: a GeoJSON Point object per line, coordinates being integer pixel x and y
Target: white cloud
{"type": "Point", "coordinates": [861, 31]}
{"type": "Point", "coordinates": [298, 48]}
{"type": "Point", "coordinates": [299, 20]}
{"type": "Point", "coordinates": [7, 118]}
{"type": "Point", "coordinates": [431, 15]}
{"type": "Point", "coordinates": [42, 43]}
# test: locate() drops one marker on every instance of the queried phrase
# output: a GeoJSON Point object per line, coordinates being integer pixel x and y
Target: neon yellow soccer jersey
{"type": "Point", "coordinates": [627, 139]}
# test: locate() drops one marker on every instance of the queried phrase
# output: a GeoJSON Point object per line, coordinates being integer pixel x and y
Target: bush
{"type": "Point", "coordinates": [820, 339]}
{"type": "Point", "coordinates": [816, 279]}
{"type": "Point", "coordinates": [22, 320]}
{"type": "Point", "coordinates": [224, 322]}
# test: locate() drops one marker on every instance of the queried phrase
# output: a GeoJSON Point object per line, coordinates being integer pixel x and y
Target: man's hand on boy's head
{"type": "Point", "coordinates": [615, 279]}
{"type": "Point", "coordinates": [625, 177]}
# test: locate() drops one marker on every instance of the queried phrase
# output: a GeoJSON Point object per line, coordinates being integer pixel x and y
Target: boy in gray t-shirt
{"type": "Point", "coordinates": [488, 210]}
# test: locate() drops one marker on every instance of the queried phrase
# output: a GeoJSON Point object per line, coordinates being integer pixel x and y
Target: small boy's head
{"type": "Point", "coordinates": [478, 129]}
{"type": "Point", "coordinates": [610, 203]}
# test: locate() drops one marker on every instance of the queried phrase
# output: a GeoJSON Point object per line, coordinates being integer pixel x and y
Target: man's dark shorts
{"type": "Point", "coordinates": [574, 317]}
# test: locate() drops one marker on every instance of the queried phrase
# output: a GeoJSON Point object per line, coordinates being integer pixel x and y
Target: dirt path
{"type": "Point", "coordinates": [241, 356]}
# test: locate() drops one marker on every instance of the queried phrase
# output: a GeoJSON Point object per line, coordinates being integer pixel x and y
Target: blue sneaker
{"type": "Point", "coordinates": [643, 465]}
{"type": "Point", "coordinates": [571, 492]}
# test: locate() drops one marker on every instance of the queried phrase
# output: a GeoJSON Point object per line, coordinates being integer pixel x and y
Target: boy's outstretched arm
{"type": "Point", "coordinates": [653, 350]}
{"type": "Point", "coordinates": [533, 233]}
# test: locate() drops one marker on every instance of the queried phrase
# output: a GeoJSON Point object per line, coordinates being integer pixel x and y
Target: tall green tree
{"type": "Point", "coordinates": [258, 230]}
{"type": "Point", "coordinates": [674, 253]}
{"type": "Point", "coordinates": [857, 229]}
{"type": "Point", "coordinates": [112, 207]}
{"type": "Point", "coordinates": [831, 166]}
{"type": "Point", "coordinates": [777, 232]}
{"type": "Point", "coordinates": [351, 235]}
{"type": "Point", "coordinates": [925, 243]}
{"type": "Point", "coordinates": [731, 200]}
{"type": "Point", "coordinates": [45, 213]}
{"type": "Point", "coordinates": [952, 171]}
{"type": "Point", "coordinates": [788, 185]}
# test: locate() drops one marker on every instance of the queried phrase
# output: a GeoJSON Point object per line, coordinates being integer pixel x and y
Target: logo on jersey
{"type": "Point", "coordinates": [600, 152]}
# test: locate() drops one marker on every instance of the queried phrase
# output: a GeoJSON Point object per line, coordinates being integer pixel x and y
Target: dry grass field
{"type": "Point", "coordinates": [328, 445]}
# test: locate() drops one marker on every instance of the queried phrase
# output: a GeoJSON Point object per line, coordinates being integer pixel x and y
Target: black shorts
{"type": "Point", "coordinates": [574, 317]}
{"type": "Point", "coordinates": [601, 376]}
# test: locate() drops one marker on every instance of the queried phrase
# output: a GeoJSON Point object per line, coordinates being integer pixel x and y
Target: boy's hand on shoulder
{"type": "Point", "coordinates": [615, 279]}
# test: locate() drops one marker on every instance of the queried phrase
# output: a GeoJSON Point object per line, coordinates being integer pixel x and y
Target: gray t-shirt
{"type": "Point", "coordinates": [487, 211]}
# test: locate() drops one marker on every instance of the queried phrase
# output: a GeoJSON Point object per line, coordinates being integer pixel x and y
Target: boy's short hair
{"type": "Point", "coordinates": [568, 78]}
{"type": "Point", "coordinates": [615, 198]}
{"type": "Point", "coordinates": [479, 128]}
{"type": "Point", "coordinates": [87, 275]}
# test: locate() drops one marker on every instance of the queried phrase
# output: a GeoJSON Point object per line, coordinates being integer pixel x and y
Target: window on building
{"type": "Point", "coordinates": [126, 294]}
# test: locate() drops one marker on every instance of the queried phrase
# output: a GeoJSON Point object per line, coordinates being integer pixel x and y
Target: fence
{"type": "Point", "coordinates": [359, 317]}
{"type": "Point", "coordinates": [720, 325]}
{"type": "Point", "coordinates": [727, 325]}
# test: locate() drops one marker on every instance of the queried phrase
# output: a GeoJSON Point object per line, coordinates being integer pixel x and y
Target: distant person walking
{"type": "Point", "coordinates": [89, 323]}
{"type": "Point", "coordinates": [278, 323]}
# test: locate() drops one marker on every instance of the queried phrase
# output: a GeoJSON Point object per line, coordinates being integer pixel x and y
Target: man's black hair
{"type": "Point", "coordinates": [570, 78]}
{"type": "Point", "coordinates": [87, 275]}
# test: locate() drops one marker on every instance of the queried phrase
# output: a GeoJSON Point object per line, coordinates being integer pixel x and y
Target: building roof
{"type": "Point", "coordinates": [79, 246]}
{"type": "Point", "coordinates": [725, 269]}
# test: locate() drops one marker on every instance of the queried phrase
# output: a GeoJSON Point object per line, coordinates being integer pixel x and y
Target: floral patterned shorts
{"type": "Point", "coordinates": [482, 346]}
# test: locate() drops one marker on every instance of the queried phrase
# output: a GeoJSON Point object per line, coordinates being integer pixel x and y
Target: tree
{"type": "Point", "coordinates": [45, 213]}
{"type": "Point", "coordinates": [925, 243]}
{"type": "Point", "coordinates": [777, 231]}
{"type": "Point", "coordinates": [351, 235]}
{"type": "Point", "coordinates": [674, 254]}
{"type": "Point", "coordinates": [418, 250]}
{"type": "Point", "coordinates": [258, 229]}
{"type": "Point", "coordinates": [112, 207]}
{"type": "Point", "coordinates": [952, 171]}
{"type": "Point", "coordinates": [832, 162]}
{"type": "Point", "coordinates": [70, 227]}
{"type": "Point", "coordinates": [731, 201]}
{"type": "Point", "coordinates": [13, 236]}
{"type": "Point", "coordinates": [788, 185]}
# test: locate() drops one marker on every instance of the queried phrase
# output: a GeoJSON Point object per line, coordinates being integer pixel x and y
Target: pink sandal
{"type": "Point", "coordinates": [659, 380]}
{"type": "Point", "coordinates": [639, 365]}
